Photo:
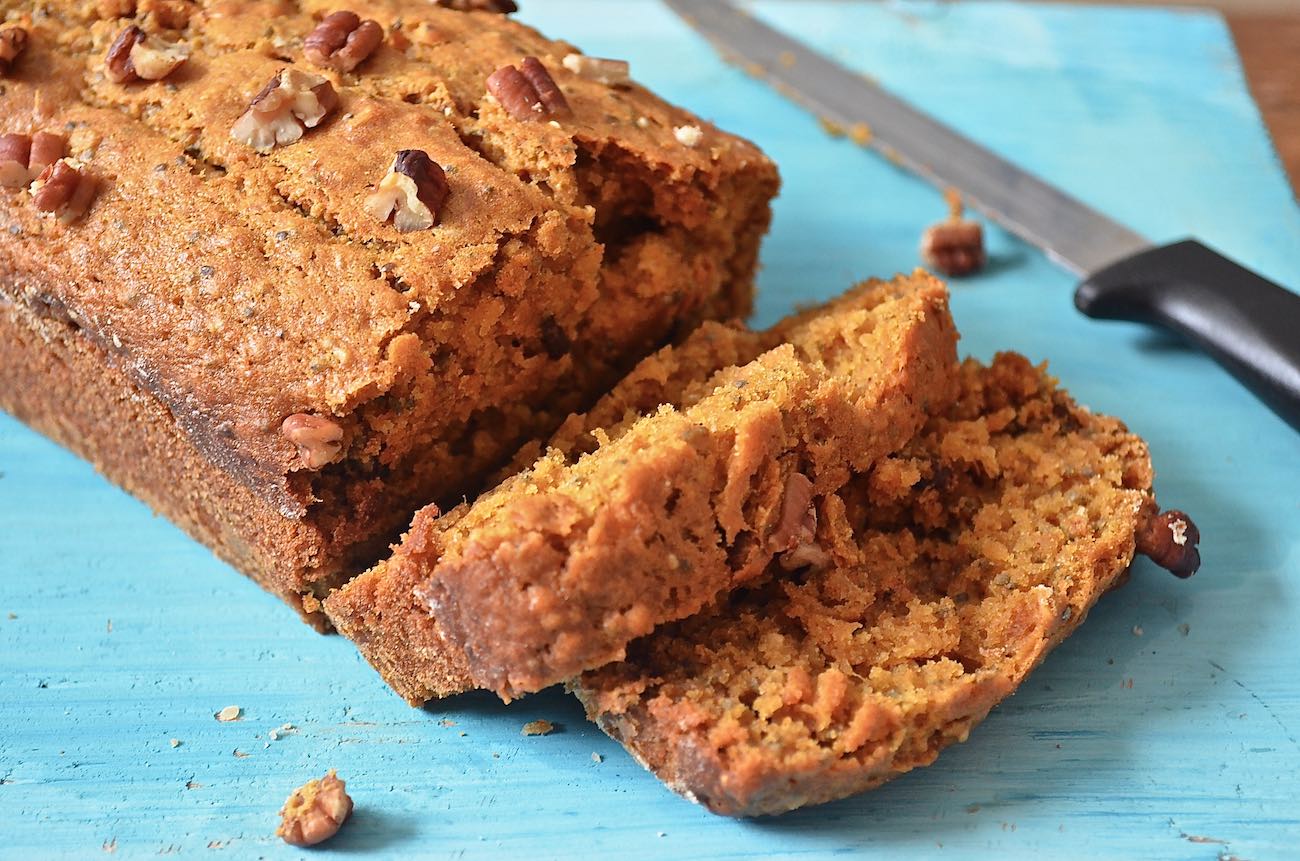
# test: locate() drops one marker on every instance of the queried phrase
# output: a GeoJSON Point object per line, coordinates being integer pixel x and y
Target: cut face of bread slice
{"type": "Point", "coordinates": [953, 568]}
{"type": "Point", "coordinates": [634, 519]}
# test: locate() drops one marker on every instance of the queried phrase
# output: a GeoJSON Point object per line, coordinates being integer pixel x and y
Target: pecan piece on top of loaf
{"type": "Point", "coordinates": [412, 193]}
{"type": "Point", "coordinates": [15, 154]}
{"type": "Point", "coordinates": [137, 56]}
{"type": "Point", "coordinates": [23, 157]}
{"type": "Point", "coordinates": [290, 103]}
{"type": "Point", "coordinates": [12, 42]}
{"type": "Point", "coordinates": [64, 188]}
{"type": "Point", "coordinates": [342, 41]}
{"type": "Point", "coordinates": [528, 92]}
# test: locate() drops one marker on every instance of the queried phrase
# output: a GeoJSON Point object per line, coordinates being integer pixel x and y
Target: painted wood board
{"type": "Point", "coordinates": [1167, 727]}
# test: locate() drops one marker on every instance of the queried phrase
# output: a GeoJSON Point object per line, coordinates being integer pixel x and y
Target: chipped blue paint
{"type": "Point", "coordinates": [1178, 743]}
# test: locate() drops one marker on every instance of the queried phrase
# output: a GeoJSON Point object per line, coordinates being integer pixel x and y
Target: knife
{"type": "Point", "coordinates": [1249, 324]}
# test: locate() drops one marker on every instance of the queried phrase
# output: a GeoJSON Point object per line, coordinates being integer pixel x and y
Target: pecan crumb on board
{"type": "Point", "coordinates": [315, 811]}
{"type": "Point", "coordinates": [954, 246]}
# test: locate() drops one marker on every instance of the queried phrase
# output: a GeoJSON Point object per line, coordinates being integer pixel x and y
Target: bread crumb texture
{"type": "Point", "coordinates": [688, 478]}
{"type": "Point", "coordinates": [957, 564]}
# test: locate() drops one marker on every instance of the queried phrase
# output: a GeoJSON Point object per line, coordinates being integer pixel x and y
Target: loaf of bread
{"type": "Point", "coordinates": [289, 276]}
{"type": "Point", "coordinates": [631, 520]}
{"type": "Point", "coordinates": [951, 569]}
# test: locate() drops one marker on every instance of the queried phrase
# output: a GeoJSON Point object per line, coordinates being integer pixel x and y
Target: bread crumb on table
{"type": "Point", "coordinates": [538, 727]}
{"type": "Point", "coordinates": [229, 713]}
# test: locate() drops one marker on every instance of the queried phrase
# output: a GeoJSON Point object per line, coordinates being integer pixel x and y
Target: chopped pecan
{"type": "Point", "coordinates": [137, 56]}
{"type": "Point", "coordinates": [47, 148]}
{"type": "Point", "coordinates": [955, 246]}
{"type": "Point", "coordinates": [412, 193]}
{"type": "Point", "coordinates": [15, 155]}
{"type": "Point", "coordinates": [319, 440]}
{"type": "Point", "coordinates": [12, 41]}
{"type": "Point", "coordinates": [529, 92]}
{"type": "Point", "coordinates": [1170, 540]}
{"type": "Point", "coordinates": [501, 7]}
{"type": "Point", "coordinates": [342, 41]}
{"type": "Point", "coordinates": [598, 69]}
{"type": "Point", "coordinates": [290, 103]}
{"type": "Point", "coordinates": [23, 158]}
{"type": "Point", "coordinates": [315, 811]}
{"type": "Point", "coordinates": [795, 536]}
{"type": "Point", "coordinates": [64, 187]}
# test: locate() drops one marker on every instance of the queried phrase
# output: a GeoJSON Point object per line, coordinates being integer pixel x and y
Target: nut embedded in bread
{"type": "Point", "coordinates": [412, 193]}
{"type": "Point", "coordinates": [64, 188]}
{"type": "Point", "coordinates": [342, 41]}
{"type": "Point", "coordinates": [137, 56]}
{"type": "Point", "coordinates": [528, 92]}
{"type": "Point", "coordinates": [956, 565]}
{"type": "Point", "coordinates": [290, 103]}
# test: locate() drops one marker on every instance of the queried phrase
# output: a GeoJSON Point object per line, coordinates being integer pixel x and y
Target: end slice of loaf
{"type": "Point", "coordinates": [633, 520]}
{"type": "Point", "coordinates": [955, 566]}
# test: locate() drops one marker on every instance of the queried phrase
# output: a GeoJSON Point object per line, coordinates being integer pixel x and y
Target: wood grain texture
{"type": "Point", "coordinates": [1270, 53]}
{"type": "Point", "coordinates": [1168, 728]}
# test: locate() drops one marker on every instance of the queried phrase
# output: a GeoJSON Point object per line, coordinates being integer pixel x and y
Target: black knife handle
{"type": "Point", "coordinates": [1246, 322]}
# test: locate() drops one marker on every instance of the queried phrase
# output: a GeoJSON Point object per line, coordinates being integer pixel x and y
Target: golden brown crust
{"type": "Point", "coordinates": [684, 503]}
{"type": "Point", "coordinates": [68, 389]}
{"type": "Point", "coordinates": [958, 564]}
{"type": "Point", "coordinates": [438, 351]}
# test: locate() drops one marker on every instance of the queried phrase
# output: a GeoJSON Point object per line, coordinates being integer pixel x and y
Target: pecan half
{"type": "Point", "coordinates": [598, 69]}
{"type": "Point", "coordinates": [12, 42]}
{"type": "Point", "coordinates": [64, 187]}
{"type": "Point", "coordinates": [342, 41]}
{"type": "Point", "coordinates": [137, 56]}
{"type": "Point", "coordinates": [315, 811]}
{"type": "Point", "coordinates": [15, 154]}
{"type": "Point", "coordinates": [501, 7]}
{"type": "Point", "coordinates": [529, 92]}
{"type": "Point", "coordinates": [1170, 540]}
{"type": "Point", "coordinates": [319, 440]}
{"type": "Point", "coordinates": [291, 102]}
{"type": "Point", "coordinates": [412, 193]}
{"type": "Point", "coordinates": [23, 158]}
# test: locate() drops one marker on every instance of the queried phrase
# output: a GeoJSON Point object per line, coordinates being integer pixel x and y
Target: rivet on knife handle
{"type": "Point", "coordinates": [1246, 322]}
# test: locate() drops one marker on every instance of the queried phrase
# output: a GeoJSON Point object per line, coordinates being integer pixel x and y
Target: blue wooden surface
{"type": "Point", "coordinates": [118, 634]}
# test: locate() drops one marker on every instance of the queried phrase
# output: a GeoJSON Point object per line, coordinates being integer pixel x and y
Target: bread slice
{"type": "Point", "coordinates": [954, 567]}
{"type": "Point", "coordinates": [635, 520]}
